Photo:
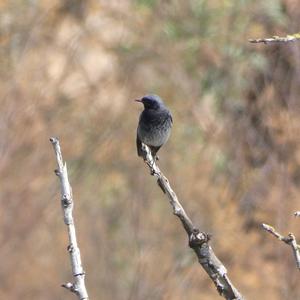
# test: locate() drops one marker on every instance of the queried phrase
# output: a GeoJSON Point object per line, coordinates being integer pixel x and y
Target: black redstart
{"type": "Point", "coordinates": [155, 124]}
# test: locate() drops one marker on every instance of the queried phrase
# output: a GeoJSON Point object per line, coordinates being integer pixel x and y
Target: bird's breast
{"type": "Point", "coordinates": [154, 128]}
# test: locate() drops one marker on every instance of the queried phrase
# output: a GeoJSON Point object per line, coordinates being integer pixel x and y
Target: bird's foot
{"type": "Point", "coordinates": [156, 157]}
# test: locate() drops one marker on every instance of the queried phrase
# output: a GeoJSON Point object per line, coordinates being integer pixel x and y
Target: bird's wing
{"type": "Point", "coordinates": [138, 145]}
{"type": "Point", "coordinates": [171, 117]}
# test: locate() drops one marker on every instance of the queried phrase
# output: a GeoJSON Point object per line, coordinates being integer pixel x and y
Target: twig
{"type": "Point", "coordinates": [289, 240]}
{"type": "Point", "coordinates": [277, 39]}
{"type": "Point", "coordinates": [198, 241]}
{"type": "Point", "coordinates": [78, 287]}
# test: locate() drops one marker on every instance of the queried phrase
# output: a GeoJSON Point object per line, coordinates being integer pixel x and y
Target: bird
{"type": "Point", "coordinates": [155, 123]}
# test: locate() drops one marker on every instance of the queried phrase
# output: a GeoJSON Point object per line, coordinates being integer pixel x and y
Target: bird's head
{"type": "Point", "coordinates": [151, 102]}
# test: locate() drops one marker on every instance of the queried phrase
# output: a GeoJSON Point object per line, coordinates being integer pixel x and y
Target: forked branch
{"type": "Point", "coordinates": [289, 240]}
{"type": "Point", "coordinates": [78, 287]}
{"type": "Point", "coordinates": [198, 241]}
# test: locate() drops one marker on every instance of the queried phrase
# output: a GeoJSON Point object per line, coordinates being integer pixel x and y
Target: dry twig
{"type": "Point", "coordinates": [198, 241]}
{"type": "Point", "coordinates": [78, 287]}
{"type": "Point", "coordinates": [277, 39]}
{"type": "Point", "coordinates": [289, 240]}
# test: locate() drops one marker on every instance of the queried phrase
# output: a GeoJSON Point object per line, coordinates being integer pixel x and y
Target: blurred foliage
{"type": "Point", "coordinates": [72, 68]}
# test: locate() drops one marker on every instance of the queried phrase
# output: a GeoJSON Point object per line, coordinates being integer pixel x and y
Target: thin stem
{"type": "Point", "coordinates": [67, 204]}
{"type": "Point", "coordinates": [277, 39]}
{"type": "Point", "coordinates": [290, 240]}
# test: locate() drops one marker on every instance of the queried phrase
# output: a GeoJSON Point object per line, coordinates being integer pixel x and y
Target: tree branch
{"type": "Point", "coordinates": [277, 39]}
{"type": "Point", "coordinates": [289, 240]}
{"type": "Point", "coordinates": [198, 241]}
{"type": "Point", "coordinates": [78, 287]}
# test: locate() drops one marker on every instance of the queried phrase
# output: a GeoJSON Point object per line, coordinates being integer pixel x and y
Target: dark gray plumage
{"type": "Point", "coordinates": [154, 125]}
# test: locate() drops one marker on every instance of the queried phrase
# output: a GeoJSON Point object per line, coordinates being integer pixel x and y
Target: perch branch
{"type": "Point", "coordinates": [198, 241]}
{"type": "Point", "coordinates": [289, 240]}
{"type": "Point", "coordinates": [78, 287]}
{"type": "Point", "coordinates": [277, 39]}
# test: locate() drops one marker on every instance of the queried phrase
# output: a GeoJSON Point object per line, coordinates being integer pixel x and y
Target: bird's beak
{"type": "Point", "coordinates": [138, 100]}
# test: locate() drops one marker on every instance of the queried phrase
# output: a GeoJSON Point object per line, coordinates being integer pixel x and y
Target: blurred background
{"type": "Point", "coordinates": [72, 68]}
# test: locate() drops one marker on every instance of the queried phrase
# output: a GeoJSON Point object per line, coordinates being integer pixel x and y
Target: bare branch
{"type": "Point", "coordinates": [198, 241]}
{"type": "Point", "coordinates": [78, 287]}
{"type": "Point", "coordinates": [289, 240]}
{"type": "Point", "coordinates": [277, 39]}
